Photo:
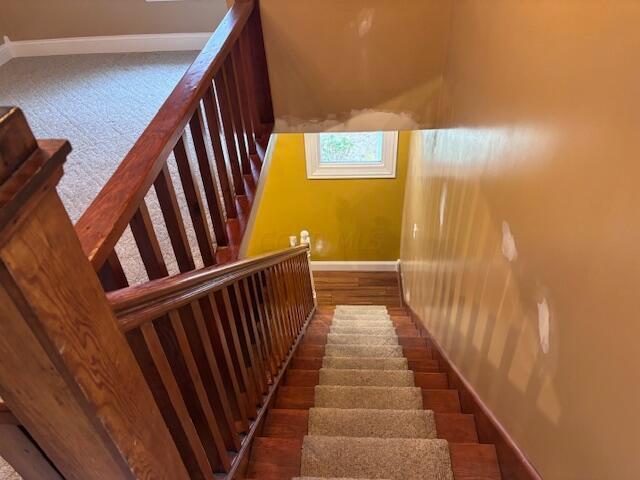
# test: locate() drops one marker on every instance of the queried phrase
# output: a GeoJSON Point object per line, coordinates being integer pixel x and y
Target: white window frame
{"type": "Point", "coordinates": [317, 170]}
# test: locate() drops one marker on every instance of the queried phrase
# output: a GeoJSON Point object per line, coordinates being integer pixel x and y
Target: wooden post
{"type": "Point", "coordinates": [66, 370]}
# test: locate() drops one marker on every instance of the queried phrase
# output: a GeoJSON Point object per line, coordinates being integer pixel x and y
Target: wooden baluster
{"type": "Point", "coordinates": [252, 341]}
{"type": "Point", "coordinates": [231, 327]}
{"type": "Point", "coordinates": [173, 220]}
{"type": "Point", "coordinates": [236, 362]}
{"type": "Point", "coordinates": [265, 325]}
{"type": "Point", "coordinates": [112, 275]}
{"type": "Point", "coordinates": [178, 360]}
{"type": "Point", "coordinates": [304, 281]}
{"type": "Point", "coordinates": [260, 74]}
{"type": "Point", "coordinates": [170, 384]}
{"type": "Point", "coordinates": [208, 181]}
{"type": "Point", "coordinates": [229, 132]}
{"type": "Point", "coordinates": [293, 295]}
{"type": "Point", "coordinates": [221, 349]}
{"type": "Point", "coordinates": [67, 373]}
{"type": "Point", "coordinates": [198, 334]}
{"type": "Point", "coordinates": [236, 113]}
{"type": "Point", "coordinates": [147, 242]}
{"type": "Point", "coordinates": [300, 282]}
{"type": "Point", "coordinates": [194, 202]}
{"type": "Point", "coordinates": [275, 295]}
{"type": "Point", "coordinates": [271, 314]}
{"type": "Point", "coordinates": [211, 112]}
{"type": "Point", "coordinates": [221, 458]}
{"type": "Point", "coordinates": [245, 84]}
{"type": "Point", "coordinates": [281, 286]}
{"type": "Point", "coordinates": [258, 332]}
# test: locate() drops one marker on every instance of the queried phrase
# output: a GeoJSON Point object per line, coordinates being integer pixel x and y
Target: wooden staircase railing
{"type": "Point", "coordinates": [220, 110]}
{"type": "Point", "coordinates": [167, 379]}
{"type": "Point", "coordinates": [212, 345]}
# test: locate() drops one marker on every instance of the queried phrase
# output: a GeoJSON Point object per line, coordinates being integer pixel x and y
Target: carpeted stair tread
{"type": "Point", "coordinates": [394, 458]}
{"type": "Point", "coordinates": [366, 363]}
{"type": "Point", "coordinates": [375, 308]}
{"type": "Point", "coordinates": [361, 422]}
{"type": "Point", "coordinates": [363, 351]}
{"type": "Point", "coordinates": [367, 378]}
{"type": "Point", "coordinates": [362, 330]}
{"type": "Point", "coordinates": [381, 398]}
{"type": "Point", "coordinates": [361, 316]}
{"type": "Point", "coordinates": [339, 339]}
{"type": "Point", "coordinates": [363, 324]}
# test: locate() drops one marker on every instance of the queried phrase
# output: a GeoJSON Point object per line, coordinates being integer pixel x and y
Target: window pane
{"type": "Point", "coordinates": [359, 147]}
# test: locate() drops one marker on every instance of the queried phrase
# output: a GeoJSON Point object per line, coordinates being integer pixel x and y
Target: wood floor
{"type": "Point", "coordinates": [276, 452]}
{"type": "Point", "coordinates": [357, 288]}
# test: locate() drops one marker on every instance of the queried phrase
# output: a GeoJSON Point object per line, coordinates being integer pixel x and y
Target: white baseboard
{"type": "Point", "coordinates": [162, 42]}
{"type": "Point", "coordinates": [364, 266]}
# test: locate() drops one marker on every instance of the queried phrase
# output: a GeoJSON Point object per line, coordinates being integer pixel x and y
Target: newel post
{"type": "Point", "coordinates": [66, 371]}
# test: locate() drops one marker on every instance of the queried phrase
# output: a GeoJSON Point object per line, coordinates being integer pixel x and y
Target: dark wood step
{"type": "Point", "coordinates": [275, 458]}
{"type": "Point", "coordinates": [286, 423]}
{"type": "Point", "coordinates": [279, 458]}
{"type": "Point", "coordinates": [441, 400]}
{"type": "Point", "coordinates": [471, 461]}
{"type": "Point", "coordinates": [295, 397]}
{"type": "Point", "coordinates": [455, 427]}
{"type": "Point", "coordinates": [306, 363]}
{"type": "Point", "coordinates": [438, 400]}
{"type": "Point", "coordinates": [302, 378]}
{"type": "Point", "coordinates": [428, 365]}
{"type": "Point", "coordinates": [402, 330]}
{"type": "Point", "coordinates": [431, 380]}
{"type": "Point", "coordinates": [293, 423]}
{"type": "Point", "coordinates": [315, 338]}
{"type": "Point", "coordinates": [315, 363]}
{"type": "Point", "coordinates": [316, 350]}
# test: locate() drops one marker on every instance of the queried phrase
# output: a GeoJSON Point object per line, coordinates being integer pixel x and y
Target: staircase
{"type": "Point", "coordinates": [363, 398]}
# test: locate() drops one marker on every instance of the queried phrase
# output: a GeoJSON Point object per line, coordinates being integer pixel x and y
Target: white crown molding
{"type": "Point", "coordinates": [161, 42]}
{"type": "Point", "coordinates": [363, 266]}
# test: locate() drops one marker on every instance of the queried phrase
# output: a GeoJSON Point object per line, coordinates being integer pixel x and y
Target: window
{"type": "Point", "coordinates": [351, 154]}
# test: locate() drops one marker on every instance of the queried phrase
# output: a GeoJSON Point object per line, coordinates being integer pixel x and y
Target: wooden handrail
{"type": "Point", "coordinates": [104, 222]}
{"type": "Point", "coordinates": [213, 345]}
{"type": "Point", "coordinates": [135, 305]}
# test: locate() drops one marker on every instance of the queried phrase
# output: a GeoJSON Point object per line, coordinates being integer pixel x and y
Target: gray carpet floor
{"type": "Point", "coordinates": [101, 104]}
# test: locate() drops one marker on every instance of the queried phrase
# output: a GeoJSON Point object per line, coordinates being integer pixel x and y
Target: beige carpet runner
{"type": "Point", "coordinates": [368, 421]}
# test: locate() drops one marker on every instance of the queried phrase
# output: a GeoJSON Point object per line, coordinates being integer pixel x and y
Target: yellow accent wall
{"type": "Point", "coordinates": [348, 219]}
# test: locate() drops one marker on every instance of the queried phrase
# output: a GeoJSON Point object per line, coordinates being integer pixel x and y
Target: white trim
{"type": "Point", "coordinates": [317, 170]}
{"type": "Point", "coordinates": [5, 51]}
{"type": "Point", "coordinates": [358, 266]}
{"type": "Point", "coordinates": [257, 199]}
{"type": "Point", "coordinates": [162, 42]}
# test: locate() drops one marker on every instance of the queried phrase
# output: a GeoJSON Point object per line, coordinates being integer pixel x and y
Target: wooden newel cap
{"type": "Point", "coordinates": [28, 167]}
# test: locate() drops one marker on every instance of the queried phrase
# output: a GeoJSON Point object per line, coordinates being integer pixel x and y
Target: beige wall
{"type": "Point", "coordinates": [355, 65]}
{"type": "Point", "coordinates": [540, 129]}
{"type": "Point", "coordinates": [37, 19]}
